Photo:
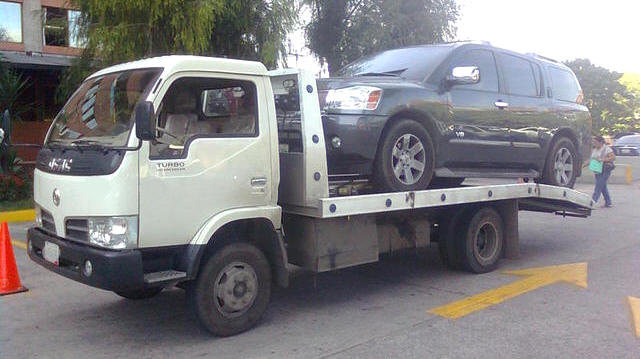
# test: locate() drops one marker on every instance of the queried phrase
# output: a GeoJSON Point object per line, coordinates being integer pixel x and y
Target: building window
{"type": "Point", "coordinates": [61, 27]}
{"type": "Point", "coordinates": [10, 21]}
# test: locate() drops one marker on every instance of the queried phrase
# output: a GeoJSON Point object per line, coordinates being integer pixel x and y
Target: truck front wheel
{"type": "Point", "coordinates": [232, 290]}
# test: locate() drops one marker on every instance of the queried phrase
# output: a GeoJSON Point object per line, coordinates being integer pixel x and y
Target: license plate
{"type": "Point", "coordinates": [626, 151]}
{"type": "Point", "coordinates": [51, 252]}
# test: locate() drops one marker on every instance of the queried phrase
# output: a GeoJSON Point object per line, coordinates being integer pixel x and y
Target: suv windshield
{"type": "Point", "coordinates": [100, 111]}
{"type": "Point", "coordinates": [412, 63]}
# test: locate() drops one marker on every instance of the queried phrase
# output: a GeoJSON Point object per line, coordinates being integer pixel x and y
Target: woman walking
{"type": "Point", "coordinates": [601, 163]}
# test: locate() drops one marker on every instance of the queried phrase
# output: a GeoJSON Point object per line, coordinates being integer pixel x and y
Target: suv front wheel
{"type": "Point", "coordinates": [562, 164]}
{"type": "Point", "coordinates": [405, 158]}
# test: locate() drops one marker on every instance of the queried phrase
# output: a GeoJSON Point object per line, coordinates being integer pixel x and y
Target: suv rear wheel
{"type": "Point", "coordinates": [405, 159]}
{"type": "Point", "coordinates": [562, 164]}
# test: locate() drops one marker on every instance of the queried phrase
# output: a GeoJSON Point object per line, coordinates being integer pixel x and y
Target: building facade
{"type": "Point", "coordinates": [39, 38]}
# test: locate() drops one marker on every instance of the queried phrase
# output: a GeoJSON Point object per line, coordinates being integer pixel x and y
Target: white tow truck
{"type": "Point", "coordinates": [211, 174]}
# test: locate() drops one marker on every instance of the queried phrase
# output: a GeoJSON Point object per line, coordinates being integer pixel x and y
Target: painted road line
{"type": "Point", "coordinates": [25, 215]}
{"type": "Point", "coordinates": [634, 304]}
{"type": "Point", "coordinates": [19, 244]}
{"type": "Point", "coordinates": [575, 273]}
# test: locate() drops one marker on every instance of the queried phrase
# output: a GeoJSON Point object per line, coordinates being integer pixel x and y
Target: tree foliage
{"type": "Point", "coordinates": [123, 30]}
{"type": "Point", "coordinates": [606, 98]}
{"type": "Point", "coordinates": [344, 30]}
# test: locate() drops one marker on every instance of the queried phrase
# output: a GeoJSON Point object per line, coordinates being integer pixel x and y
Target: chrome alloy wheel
{"type": "Point", "coordinates": [563, 166]}
{"type": "Point", "coordinates": [235, 289]}
{"type": "Point", "coordinates": [408, 159]}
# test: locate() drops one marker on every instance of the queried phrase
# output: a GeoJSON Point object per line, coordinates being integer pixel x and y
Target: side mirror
{"type": "Point", "coordinates": [464, 75]}
{"type": "Point", "coordinates": [145, 121]}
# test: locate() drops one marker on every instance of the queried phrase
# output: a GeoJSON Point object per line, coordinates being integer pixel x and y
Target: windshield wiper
{"type": "Point", "coordinates": [88, 143]}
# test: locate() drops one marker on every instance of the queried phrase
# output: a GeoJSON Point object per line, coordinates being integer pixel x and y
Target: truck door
{"type": "Point", "coordinates": [212, 154]}
{"type": "Point", "coordinates": [480, 134]}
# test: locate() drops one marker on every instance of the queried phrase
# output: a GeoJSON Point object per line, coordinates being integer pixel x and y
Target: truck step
{"type": "Point", "coordinates": [164, 276]}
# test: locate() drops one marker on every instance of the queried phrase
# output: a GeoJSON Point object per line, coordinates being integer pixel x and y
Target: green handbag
{"type": "Point", "coordinates": [595, 166]}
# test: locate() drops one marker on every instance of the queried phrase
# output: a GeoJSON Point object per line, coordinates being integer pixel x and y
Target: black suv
{"type": "Point", "coordinates": [415, 116]}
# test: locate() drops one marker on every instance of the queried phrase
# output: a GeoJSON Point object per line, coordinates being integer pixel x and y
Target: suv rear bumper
{"type": "Point", "coordinates": [112, 270]}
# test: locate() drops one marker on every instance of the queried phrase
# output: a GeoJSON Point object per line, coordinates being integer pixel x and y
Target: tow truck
{"type": "Point", "coordinates": [125, 206]}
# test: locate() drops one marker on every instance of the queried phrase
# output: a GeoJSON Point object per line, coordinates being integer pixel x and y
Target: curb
{"type": "Point", "coordinates": [25, 215]}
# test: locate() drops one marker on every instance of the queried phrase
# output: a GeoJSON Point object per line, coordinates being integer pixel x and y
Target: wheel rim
{"type": "Point", "coordinates": [408, 159]}
{"type": "Point", "coordinates": [563, 166]}
{"type": "Point", "coordinates": [235, 289]}
{"type": "Point", "coordinates": [486, 243]}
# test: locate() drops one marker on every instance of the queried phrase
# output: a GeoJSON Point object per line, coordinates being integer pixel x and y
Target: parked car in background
{"type": "Point", "coordinates": [410, 117]}
{"type": "Point", "coordinates": [627, 146]}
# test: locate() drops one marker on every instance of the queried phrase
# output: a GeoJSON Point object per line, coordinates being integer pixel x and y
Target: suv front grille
{"type": "Point", "coordinates": [77, 229]}
{"type": "Point", "coordinates": [47, 221]}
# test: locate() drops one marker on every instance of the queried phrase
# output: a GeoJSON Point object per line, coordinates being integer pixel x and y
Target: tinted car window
{"type": "Point", "coordinates": [518, 76]}
{"type": "Point", "coordinates": [565, 86]}
{"type": "Point", "coordinates": [484, 60]}
{"type": "Point", "coordinates": [413, 63]}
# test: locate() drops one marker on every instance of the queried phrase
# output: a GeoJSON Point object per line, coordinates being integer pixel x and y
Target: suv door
{"type": "Point", "coordinates": [480, 135]}
{"type": "Point", "coordinates": [212, 154]}
{"type": "Point", "coordinates": [529, 116]}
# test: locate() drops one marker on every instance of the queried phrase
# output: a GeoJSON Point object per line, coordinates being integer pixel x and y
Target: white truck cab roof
{"type": "Point", "coordinates": [177, 63]}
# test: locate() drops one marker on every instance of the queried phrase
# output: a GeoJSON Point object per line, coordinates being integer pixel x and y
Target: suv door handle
{"type": "Point", "coordinates": [258, 182]}
{"type": "Point", "coordinates": [501, 104]}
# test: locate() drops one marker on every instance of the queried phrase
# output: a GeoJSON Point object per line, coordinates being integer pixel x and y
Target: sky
{"type": "Point", "coordinates": [605, 32]}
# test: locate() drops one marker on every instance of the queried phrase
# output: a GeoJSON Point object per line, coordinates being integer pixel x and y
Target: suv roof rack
{"type": "Point", "coordinates": [533, 54]}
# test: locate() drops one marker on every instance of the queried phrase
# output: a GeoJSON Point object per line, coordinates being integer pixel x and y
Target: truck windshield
{"type": "Point", "coordinates": [412, 63]}
{"type": "Point", "coordinates": [100, 111]}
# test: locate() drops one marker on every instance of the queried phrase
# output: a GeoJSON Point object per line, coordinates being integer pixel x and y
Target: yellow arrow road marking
{"type": "Point", "coordinates": [634, 304]}
{"type": "Point", "coordinates": [535, 278]}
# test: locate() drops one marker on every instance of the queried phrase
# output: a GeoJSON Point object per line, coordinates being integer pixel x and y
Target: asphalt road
{"type": "Point", "coordinates": [372, 311]}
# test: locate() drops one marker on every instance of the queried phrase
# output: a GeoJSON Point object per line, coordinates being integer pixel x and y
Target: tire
{"type": "Point", "coordinates": [446, 182]}
{"type": "Point", "coordinates": [224, 309]}
{"type": "Point", "coordinates": [481, 241]}
{"type": "Point", "coordinates": [140, 294]}
{"type": "Point", "coordinates": [447, 238]}
{"type": "Point", "coordinates": [554, 174]}
{"type": "Point", "coordinates": [395, 151]}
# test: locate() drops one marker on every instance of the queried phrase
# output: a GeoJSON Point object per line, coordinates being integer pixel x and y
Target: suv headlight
{"type": "Point", "coordinates": [113, 232]}
{"type": "Point", "coordinates": [354, 98]}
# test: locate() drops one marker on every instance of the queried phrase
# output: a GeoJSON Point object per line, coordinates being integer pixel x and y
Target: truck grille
{"type": "Point", "coordinates": [47, 221]}
{"type": "Point", "coordinates": [77, 229]}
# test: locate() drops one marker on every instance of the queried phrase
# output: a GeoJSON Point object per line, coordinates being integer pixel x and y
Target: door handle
{"type": "Point", "coordinates": [501, 104]}
{"type": "Point", "coordinates": [258, 182]}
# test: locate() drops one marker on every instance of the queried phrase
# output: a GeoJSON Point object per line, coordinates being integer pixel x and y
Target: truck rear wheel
{"type": "Point", "coordinates": [232, 290]}
{"type": "Point", "coordinates": [480, 243]}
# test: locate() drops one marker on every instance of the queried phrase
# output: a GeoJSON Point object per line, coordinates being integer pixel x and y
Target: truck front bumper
{"type": "Point", "coordinates": [111, 270]}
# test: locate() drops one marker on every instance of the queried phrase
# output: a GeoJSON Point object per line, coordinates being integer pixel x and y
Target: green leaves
{"type": "Point", "coordinates": [344, 30]}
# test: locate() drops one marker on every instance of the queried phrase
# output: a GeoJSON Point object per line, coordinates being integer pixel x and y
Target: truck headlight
{"type": "Point", "coordinates": [354, 98]}
{"type": "Point", "coordinates": [113, 232]}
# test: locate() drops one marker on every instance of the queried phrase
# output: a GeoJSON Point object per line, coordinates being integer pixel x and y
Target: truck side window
{"type": "Point", "coordinates": [196, 107]}
{"type": "Point", "coordinates": [483, 60]}
{"type": "Point", "coordinates": [519, 76]}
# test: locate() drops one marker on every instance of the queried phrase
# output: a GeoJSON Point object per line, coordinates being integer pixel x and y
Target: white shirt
{"type": "Point", "coordinates": [601, 153]}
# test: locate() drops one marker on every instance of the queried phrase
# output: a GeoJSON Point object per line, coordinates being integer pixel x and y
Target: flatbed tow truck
{"type": "Point", "coordinates": [224, 216]}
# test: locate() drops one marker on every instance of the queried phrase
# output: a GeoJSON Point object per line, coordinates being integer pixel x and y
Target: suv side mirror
{"type": "Point", "coordinates": [464, 75]}
{"type": "Point", "coordinates": [145, 121]}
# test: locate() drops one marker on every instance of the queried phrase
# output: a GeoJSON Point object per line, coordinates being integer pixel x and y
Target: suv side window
{"type": "Point", "coordinates": [196, 107]}
{"type": "Point", "coordinates": [519, 76]}
{"type": "Point", "coordinates": [565, 85]}
{"type": "Point", "coordinates": [483, 60]}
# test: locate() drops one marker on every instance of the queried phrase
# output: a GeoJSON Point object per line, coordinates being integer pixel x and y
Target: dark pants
{"type": "Point", "coordinates": [601, 187]}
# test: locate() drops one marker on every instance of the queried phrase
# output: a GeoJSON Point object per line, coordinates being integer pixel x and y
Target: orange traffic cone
{"type": "Point", "coordinates": [9, 278]}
